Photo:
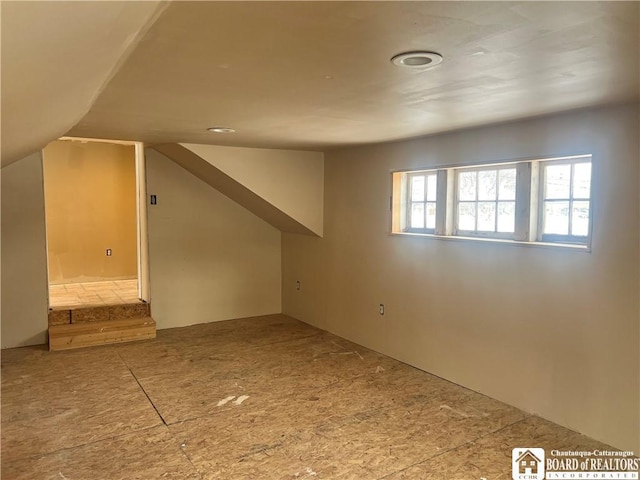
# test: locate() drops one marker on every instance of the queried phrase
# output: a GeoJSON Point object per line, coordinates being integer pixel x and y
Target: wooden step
{"type": "Point", "coordinates": [84, 314]}
{"type": "Point", "coordinates": [79, 335]}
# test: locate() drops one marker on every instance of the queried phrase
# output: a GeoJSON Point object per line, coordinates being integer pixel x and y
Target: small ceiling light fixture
{"type": "Point", "coordinates": [417, 59]}
{"type": "Point", "coordinates": [221, 130]}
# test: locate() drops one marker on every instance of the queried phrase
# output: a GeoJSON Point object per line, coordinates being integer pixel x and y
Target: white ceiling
{"type": "Point", "coordinates": [317, 75]}
{"type": "Point", "coordinates": [56, 56]}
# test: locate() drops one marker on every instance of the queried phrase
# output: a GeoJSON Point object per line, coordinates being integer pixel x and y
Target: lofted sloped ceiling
{"type": "Point", "coordinates": [317, 75]}
{"type": "Point", "coordinates": [55, 59]}
{"type": "Point", "coordinates": [212, 167]}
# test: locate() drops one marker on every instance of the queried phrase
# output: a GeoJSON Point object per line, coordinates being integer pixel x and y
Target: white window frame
{"type": "Point", "coordinates": [480, 233]}
{"type": "Point", "coordinates": [409, 200]}
{"type": "Point", "coordinates": [529, 203]}
{"type": "Point", "coordinates": [560, 238]}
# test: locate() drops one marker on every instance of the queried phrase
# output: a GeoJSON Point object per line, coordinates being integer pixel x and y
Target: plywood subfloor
{"type": "Point", "coordinates": [113, 292]}
{"type": "Point", "coordinates": [259, 398]}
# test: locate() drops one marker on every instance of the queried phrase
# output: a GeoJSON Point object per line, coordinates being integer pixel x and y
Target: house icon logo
{"type": "Point", "coordinates": [528, 463]}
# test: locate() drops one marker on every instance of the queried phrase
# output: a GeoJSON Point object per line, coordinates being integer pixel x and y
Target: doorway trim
{"type": "Point", "coordinates": [143, 237]}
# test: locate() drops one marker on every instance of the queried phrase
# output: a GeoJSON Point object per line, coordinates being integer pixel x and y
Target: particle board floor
{"type": "Point", "coordinates": [112, 292]}
{"type": "Point", "coordinates": [259, 398]}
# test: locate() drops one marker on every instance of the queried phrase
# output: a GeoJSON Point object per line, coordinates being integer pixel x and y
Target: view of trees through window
{"type": "Point", "coordinates": [487, 200]}
{"type": "Point", "coordinates": [523, 201]}
{"type": "Point", "coordinates": [423, 201]}
{"type": "Point", "coordinates": [567, 195]}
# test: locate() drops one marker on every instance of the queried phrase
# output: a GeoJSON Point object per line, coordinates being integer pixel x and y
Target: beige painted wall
{"type": "Point", "coordinates": [24, 256]}
{"type": "Point", "coordinates": [210, 259]}
{"type": "Point", "coordinates": [552, 331]}
{"type": "Point", "coordinates": [231, 188]}
{"type": "Point", "coordinates": [292, 181]}
{"type": "Point", "coordinates": [90, 195]}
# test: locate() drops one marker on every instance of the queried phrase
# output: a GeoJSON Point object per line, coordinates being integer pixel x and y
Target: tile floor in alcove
{"type": "Point", "coordinates": [93, 293]}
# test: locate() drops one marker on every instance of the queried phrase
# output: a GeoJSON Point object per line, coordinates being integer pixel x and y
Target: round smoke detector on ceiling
{"type": "Point", "coordinates": [221, 130]}
{"type": "Point", "coordinates": [417, 59]}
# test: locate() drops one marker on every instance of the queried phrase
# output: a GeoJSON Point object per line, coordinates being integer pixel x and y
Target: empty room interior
{"type": "Point", "coordinates": [318, 240]}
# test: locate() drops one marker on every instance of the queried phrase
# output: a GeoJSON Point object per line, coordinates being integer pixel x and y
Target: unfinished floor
{"type": "Point", "coordinates": [259, 398]}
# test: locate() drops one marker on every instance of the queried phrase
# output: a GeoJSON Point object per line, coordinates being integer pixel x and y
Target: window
{"type": "Point", "coordinates": [566, 201]}
{"type": "Point", "coordinates": [529, 201]}
{"type": "Point", "coordinates": [422, 202]}
{"type": "Point", "coordinates": [486, 201]}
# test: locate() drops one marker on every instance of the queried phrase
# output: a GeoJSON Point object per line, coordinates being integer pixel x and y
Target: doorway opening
{"type": "Point", "coordinates": [96, 223]}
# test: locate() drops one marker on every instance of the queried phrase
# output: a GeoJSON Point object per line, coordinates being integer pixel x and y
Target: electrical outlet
{"type": "Point", "coordinates": [154, 199]}
{"type": "Point", "coordinates": [109, 252]}
{"type": "Point", "coordinates": [382, 309]}
{"type": "Point", "coordinates": [297, 284]}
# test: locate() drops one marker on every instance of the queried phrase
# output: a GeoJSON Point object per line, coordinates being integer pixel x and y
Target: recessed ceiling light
{"type": "Point", "coordinates": [417, 59]}
{"type": "Point", "coordinates": [221, 130]}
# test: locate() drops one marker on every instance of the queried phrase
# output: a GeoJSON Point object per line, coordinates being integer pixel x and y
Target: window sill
{"type": "Point", "coordinates": [456, 238]}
